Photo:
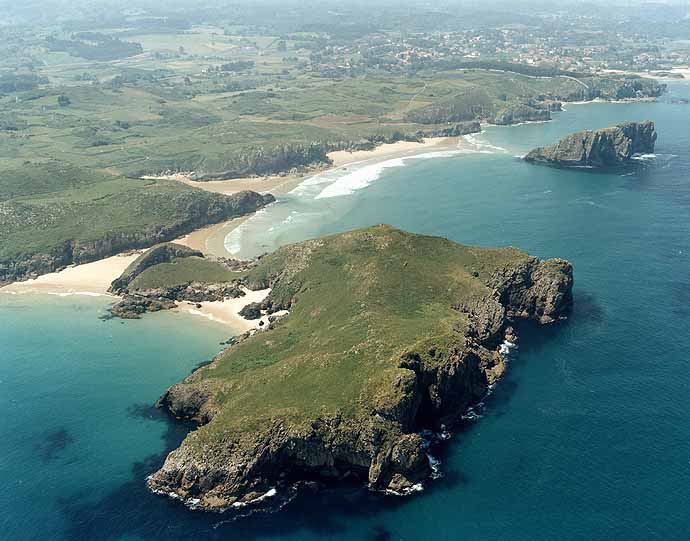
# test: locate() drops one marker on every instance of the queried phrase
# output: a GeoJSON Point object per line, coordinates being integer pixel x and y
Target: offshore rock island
{"type": "Point", "coordinates": [381, 335]}
{"type": "Point", "coordinates": [607, 147]}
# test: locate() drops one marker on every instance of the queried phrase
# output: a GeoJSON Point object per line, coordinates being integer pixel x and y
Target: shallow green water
{"type": "Point", "coordinates": [587, 437]}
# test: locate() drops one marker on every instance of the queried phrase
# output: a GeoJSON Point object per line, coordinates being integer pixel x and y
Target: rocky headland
{"type": "Point", "coordinates": [607, 147]}
{"type": "Point", "coordinates": [390, 335]}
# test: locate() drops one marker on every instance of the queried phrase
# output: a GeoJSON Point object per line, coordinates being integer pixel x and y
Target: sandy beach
{"type": "Point", "coordinates": [227, 311]}
{"type": "Point", "coordinates": [211, 239]}
{"type": "Point", "coordinates": [392, 150]}
{"type": "Point", "coordinates": [281, 184]}
{"type": "Point", "coordinates": [95, 278]}
{"type": "Point", "coordinates": [87, 279]}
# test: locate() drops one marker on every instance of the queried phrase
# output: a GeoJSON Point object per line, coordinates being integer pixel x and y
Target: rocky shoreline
{"type": "Point", "coordinates": [383, 448]}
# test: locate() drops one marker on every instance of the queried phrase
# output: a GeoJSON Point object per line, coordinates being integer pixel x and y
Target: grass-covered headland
{"type": "Point", "coordinates": [388, 333]}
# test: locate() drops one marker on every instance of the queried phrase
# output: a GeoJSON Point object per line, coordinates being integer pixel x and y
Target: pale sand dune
{"type": "Point", "coordinates": [93, 278]}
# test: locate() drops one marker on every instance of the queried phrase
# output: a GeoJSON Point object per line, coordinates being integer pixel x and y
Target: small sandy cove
{"type": "Point", "coordinates": [227, 311]}
{"type": "Point", "coordinates": [93, 279]}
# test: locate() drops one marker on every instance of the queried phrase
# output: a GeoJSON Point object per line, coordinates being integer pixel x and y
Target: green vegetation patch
{"type": "Point", "coordinates": [359, 301]}
{"type": "Point", "coordinates": [182, 271]}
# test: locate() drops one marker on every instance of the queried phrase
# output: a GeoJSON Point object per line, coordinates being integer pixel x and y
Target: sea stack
{"type": "Point", "coordinates": [607, 147]}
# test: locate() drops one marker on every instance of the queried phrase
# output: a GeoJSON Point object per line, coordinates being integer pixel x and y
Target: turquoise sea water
{"type": "Point", "coordinates": [587, 436]}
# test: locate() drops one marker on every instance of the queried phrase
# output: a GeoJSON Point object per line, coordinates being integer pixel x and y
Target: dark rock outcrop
{"type": "Point", "coordinates": [456, 130]}
{"type": "Point", "coordinates": [251, 311]}
{"type": "Point", "coordinates": [135, 303]}
{"type": "Point", "coordinates": [608, 147]}
{"type": "Point", "coordinates": [514, 114]}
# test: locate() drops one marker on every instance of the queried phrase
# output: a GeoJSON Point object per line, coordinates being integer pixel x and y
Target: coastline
{"type": "Point", "coordinates": [228, 311]}
{"type": "Point", "coordinates": [211, 239]}
{"type": "Point", "coordinates": [94, 279]}
{"type": "Point", "coordinates": [87, 279]}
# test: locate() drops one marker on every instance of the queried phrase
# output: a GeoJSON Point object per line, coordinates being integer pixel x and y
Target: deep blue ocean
{"type": "Point", "coordinates": [586, 437]}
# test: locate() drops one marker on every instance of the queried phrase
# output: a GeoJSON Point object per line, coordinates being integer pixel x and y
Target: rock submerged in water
{"type": "Point", "coordinates": [346, 384]}
{"type": "Point", "coordinates": [607, 147]}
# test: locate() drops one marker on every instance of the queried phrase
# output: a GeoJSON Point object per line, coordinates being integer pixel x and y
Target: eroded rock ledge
{"type": "Point", "coordinates": [425, 379]}
{"type": "Point", "coordinates": [137, 299]}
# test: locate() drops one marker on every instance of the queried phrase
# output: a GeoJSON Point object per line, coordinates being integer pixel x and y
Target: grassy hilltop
{"type": "Point", "coordinates": [388, 333]}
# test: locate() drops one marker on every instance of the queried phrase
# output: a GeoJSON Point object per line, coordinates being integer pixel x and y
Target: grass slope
{"type": "Point", "coordinates": [361, 299]}
{"type": "Point", "coordinates": [182, 271]}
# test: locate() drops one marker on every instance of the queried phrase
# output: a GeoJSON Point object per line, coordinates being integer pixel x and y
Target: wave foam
{"type": "Point", "coordinates": [644, 157]}
{"type": "Point", "coordinates": [435, 465]}
{"type": "Point", "coordinates": [507, 347]}
{"type": "Point", "coordinates": [77, 293]}
{"type": "Point", "coordinates": [482, 146]}
{"type": "Point", "coordinates": [270, 494]}
{"type": "Point", "coordinates": [361, 178]}
{"type": "Point", "coordinates": [406, 491]}
{"type": "Point", "coordinates": [364, 176]}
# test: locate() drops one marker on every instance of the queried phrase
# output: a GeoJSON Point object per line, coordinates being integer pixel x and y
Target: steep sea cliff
{"type": "Point", "coordinates": [606, 147]}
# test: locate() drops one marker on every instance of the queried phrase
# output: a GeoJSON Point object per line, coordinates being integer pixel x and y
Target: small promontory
{"type": "Point", "coordinates": [387, 335]}
{"type": "Point", "coordinates": [607, 147]}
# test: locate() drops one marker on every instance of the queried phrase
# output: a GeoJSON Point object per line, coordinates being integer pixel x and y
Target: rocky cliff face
{"type": "Point", "coordinates": [197, 214]}
{"type": "Point", "coordinates": [431, 387]}
{"type": "Point", "coordinates": [515, 114]}
{"type": "Point", "coordinates": [456, 130]}
{"type": "Point", "coordinates": [299, 157]}
{"type": "Point", "coordinates": [608, 147]}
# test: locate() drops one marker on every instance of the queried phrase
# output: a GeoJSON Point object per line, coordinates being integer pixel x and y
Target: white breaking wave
{"type": "Point", "coordinates": [361, 178]}
{"type": "Point", "coordinates": [307, 185]}
{"type": "Point", "coordinates": [78, 293]}
{"type": "Point", "coordinates": [405, 491]}
{"type": "Point", "coordinates": [233, 242]}
{"type": "Point", "coordinates": [435, 465]}
{"type": "Point", "coordinates": [364, 176]}
{"type": "Point", "coordinates": [507, 347]}
{"type": "Point", "coordinates": [644, 157]}
{"type": "Point", "coordinates": [482, 146]}
{"type": "Point", "coordinates": [272, 492]}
